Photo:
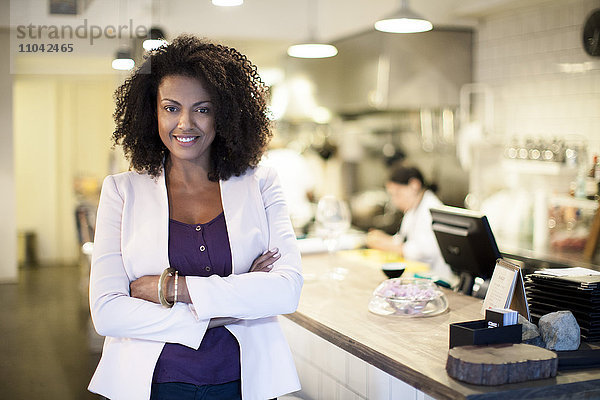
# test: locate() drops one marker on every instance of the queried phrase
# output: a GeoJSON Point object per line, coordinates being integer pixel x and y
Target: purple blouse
{"type": "Point", "coordinates": [200, 250]}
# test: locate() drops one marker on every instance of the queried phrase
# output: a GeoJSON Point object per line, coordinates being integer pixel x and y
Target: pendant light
{"type": "Point", "coordinates": [404, 20]}
{"type": "Point", "coordinates": [157, 39]}
{"type": "Point", "coordinates": [123, 60]}
{"type": "Point", "coordinates": [227, 3]}
{"type": "Point", "coordinates": [312, 48]}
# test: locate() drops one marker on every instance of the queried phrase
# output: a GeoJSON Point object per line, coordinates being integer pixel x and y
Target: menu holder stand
{"type": "Point", "coordinates": [507, 289]}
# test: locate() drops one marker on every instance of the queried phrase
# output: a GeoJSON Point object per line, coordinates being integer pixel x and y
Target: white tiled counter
{"type": "Point", "coordinates": [330, 373]}
{"type": "Point", "coordinates": [342, 351]}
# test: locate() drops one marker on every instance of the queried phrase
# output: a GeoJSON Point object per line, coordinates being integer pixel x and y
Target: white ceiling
{"type": "Point", "coordinates": [290, 19]}
{"type": "Point", "coordinates": [280, 20]}
{"type": "Point", "coordinates": [260, 28]}
{"type": "Point", "coordinates": [332, 19]}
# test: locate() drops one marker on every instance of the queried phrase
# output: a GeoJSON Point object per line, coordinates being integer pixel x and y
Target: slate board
{"type": "Point", "coordinates": [500, 363]}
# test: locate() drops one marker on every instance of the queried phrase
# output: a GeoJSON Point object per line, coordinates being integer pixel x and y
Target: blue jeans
{"type": "Point", "coordinates": [186, 391]}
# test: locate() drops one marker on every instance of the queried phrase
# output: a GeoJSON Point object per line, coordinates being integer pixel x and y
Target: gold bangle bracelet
{"type": "Point", "coordinates": [161, 282]}
{"type": "Point", "coordinates": [175, 288]}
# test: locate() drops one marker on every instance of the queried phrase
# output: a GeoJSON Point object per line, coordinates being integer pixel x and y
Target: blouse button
{"type": "Point", "coordinates": [207, 268]}
{"type": "Point", "coordinates": [198, 228]}
{"type": "Point", "coordinates": [202, 248]}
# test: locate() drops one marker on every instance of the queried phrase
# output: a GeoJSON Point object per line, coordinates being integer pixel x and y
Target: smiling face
{"type": "Point", "coordinates": [186, 119]}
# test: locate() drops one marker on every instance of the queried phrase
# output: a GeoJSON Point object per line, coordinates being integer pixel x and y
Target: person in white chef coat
{"type": "Point", "coordinates": [415, 239]}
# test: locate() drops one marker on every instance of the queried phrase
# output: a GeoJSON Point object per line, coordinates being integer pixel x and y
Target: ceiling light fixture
{"type": "Point", "coordinates": [157, 39]}
{"type": "Point", "coordinates": [312, 48]}
{"type": "Point", "coordinates": [227, 3]}
{"type": "Point", "coordinates": [404, 20]}
{"type": "Point", "coordinates": [123, 61]}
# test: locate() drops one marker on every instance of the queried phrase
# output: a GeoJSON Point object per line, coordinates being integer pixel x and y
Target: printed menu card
{"type": "Point", "coordinates": [506, 289]}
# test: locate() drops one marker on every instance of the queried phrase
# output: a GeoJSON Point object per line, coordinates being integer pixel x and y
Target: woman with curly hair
{"type": "Point", "coordinates": [194, 253]}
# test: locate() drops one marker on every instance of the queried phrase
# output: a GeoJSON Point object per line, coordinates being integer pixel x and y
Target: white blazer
{"type": "Point", "coordinates": [131, 241]}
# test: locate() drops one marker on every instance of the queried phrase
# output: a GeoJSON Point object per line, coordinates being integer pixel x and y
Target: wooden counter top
{"type": "Point", "coordinates": [411, 349]}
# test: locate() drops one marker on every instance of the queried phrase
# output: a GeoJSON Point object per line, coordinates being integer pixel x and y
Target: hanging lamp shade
{"type": "Point", "coordinates": [157, 39]}
{"type": "Point", "coordinates": [312, 48]}
{"type": "Point", "coordinates": [123, 60]}
{"type": "Point", "coordinates": [404, 20]}
{"type": "Point", "coordinates": [227, 3]}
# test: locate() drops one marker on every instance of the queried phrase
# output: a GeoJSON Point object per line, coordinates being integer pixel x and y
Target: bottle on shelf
{"type": "Point", "coordinates": [591, 180]}
{"type": "Point", "coordinates": [580, 185]}
{"type": "Point", "coordinates": [597, 176]}
{"type": "Point", "coordinates": [592, 170]}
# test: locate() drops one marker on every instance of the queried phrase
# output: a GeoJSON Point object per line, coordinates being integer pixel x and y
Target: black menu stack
{"type": "Point", "coordinates": [578, 294]}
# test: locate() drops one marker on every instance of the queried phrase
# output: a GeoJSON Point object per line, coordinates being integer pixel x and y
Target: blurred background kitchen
{"type": "Point", "coordinates": [498, 105]}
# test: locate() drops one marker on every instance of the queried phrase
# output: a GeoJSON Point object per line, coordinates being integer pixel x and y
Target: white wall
{"type": "Point", "coordinates": [8, 230]}
{"type": "Point", "coordinates": [62, 130]}
{"type": "Point", "coordinates": [544, 86]}
{"type": "Point", "coordinates": [35, 161]}
{"type": "Point", "coordinates": [521, 54]}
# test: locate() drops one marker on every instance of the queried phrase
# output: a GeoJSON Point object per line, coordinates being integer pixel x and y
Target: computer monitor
{"type": "Point", "coordinates": [466, 242]}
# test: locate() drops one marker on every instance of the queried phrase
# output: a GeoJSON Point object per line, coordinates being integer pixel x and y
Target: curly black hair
{"type": "Point", "coordinates": [239, 95]}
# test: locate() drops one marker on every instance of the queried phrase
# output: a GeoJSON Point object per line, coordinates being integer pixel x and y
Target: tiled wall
{"type": "Point", "coordinates": [543, 82]}
{"type": "Point", "coordinates": [329, 373]}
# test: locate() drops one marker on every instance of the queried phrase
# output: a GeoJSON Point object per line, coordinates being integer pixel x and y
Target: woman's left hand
{"type": "Point", "coordinates": [145, 288]}
{"type": "Point", "coordinates": [265, 261]}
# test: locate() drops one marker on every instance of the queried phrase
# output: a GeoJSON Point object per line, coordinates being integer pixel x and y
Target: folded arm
{"type": "Point", "coordinates": [146, 287]}
{"type": "Point", "coordinates": [257, 295]}
{"type": "Point", "coordinates": [114, 312]}
{"type": "Point", "coordinates": [117, 310]}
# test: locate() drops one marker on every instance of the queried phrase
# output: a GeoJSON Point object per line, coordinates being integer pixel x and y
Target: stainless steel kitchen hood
{"type": "Point", "coordinates": [381, 71]}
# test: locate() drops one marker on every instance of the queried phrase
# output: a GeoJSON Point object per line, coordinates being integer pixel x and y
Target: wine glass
{"type": "Point", "coordinates": [332, 221]}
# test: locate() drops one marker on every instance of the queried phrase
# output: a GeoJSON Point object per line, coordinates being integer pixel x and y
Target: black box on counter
{"type": "Point", "coordinates": [500, 317]}
{"type": "Point", "coordinates": [477, 333]}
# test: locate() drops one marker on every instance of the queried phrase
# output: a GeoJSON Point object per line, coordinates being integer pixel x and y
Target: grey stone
{"type": "Point", "coordinates": [560, 331]}
{"type": "Point", "coordinates": [531, 333]}
{"type": "Point", "coordinates": [530, 330]}
{"type": "Point", "coordinates": [536, 341]}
